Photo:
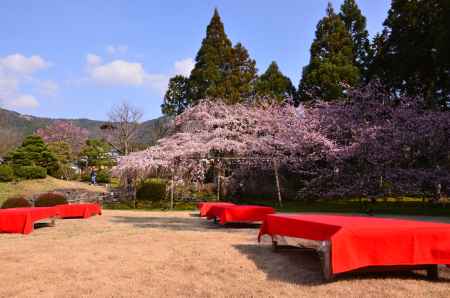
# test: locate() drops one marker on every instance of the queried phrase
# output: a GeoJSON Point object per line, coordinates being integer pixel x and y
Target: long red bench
{"type": "Point", "coordinates": [348, 243]}
{"type": "Point", "coordinates": [78, 210]}
{"type": "Point", "coordinates": [239, 213]}
{"type": "Point", "coordinates": [205, 206]}
{"type": "Point", "coordinates": [22, 220]}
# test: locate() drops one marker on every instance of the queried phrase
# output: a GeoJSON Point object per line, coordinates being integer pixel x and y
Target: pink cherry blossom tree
{"type": "Point", "coordinates": [65, 131]}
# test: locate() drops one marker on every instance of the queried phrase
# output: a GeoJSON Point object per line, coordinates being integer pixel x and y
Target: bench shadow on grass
{"type": "Point", "coordinates": [182, 224]}
{"type": "Point", "coordinates": [303, 267]}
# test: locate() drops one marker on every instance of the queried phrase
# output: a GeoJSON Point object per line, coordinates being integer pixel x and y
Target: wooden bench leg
{"type": "Point", "coordinates": [433, 272]}
{"type": "Point", "coordinates": [274, 245]}
{"type": "Point", "coordinates": [325, 260]}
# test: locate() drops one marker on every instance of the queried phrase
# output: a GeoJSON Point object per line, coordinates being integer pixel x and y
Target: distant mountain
{"type": "Point", "coordinates": [22, 125]}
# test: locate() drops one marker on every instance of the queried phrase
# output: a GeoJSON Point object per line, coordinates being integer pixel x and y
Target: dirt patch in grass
{"type": "Point", "coordinates": [29, 187]}
{"type": "Point", "coordinates": [172, 254]}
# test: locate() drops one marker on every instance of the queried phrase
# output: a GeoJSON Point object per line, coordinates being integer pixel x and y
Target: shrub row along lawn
{"type": "Point", "coordinates": [409, 206]}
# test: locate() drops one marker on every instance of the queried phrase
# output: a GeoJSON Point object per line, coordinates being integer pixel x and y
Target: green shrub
{"type": "Point", "coordinates": [16, 202]}
{"type": "Point", "coordinates": [151, 190]}
{"type": "Point", "coordinates": [30, 172]}
{"type": "Point", "coordinates": [6, 173]}
{"type": "Point", "coordinates": [66, 172]}
{"type": "Point", "coordinates": [50, 199]}
{"type": "Point", "coordinates": [103, 176]}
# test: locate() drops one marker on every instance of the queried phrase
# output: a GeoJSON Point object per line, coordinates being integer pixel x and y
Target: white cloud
{"type": "Point", "coordinates": [125, 73]}
{"type": "Point", "coordinates": [17, 69]}
{"type": "Point", "coordinates": [119, 72]}
{"type": "Point", "coordinates": [23, 101]}
{"type": "Point", "coordinates": [92, 59]}
{"type": "Point", "coordinates": [21, 65]}
{"type": "Point", "coordinates": [184, 66]}
{"type": "Point", "coordinates": [116, 49]}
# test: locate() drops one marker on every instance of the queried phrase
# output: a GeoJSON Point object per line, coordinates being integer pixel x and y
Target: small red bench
{"type": "Point", "coordinates": [239, 213]}
{"type": "Point", "coordinates": [204, 207]}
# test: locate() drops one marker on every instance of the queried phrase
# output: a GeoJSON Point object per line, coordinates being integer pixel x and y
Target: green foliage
{"type": "Point", "coordinates": [176, 97]}
{"type": "Point", "coordinates": [65, 171]}
{"type": "Point", "coordinates": [151, 190]}
{"type": "Point", "coordinates": [213, 60]}
{"type": "Point", "coordinates": [239, 83]}
{"type": "Point", "coordinates": [62, 151]}
{"type": "Point", "coordinates": [6, 173]}
{"type": "Point", "coordinates": [103, 176]}
{"type": "Point", "coordinates": [355, 23]}
{"type": "Point", "coordinates": [412, 54]}
{"type": "Point", "coordinates": [96, 153]}
{"type": "Point", "coordinates": [50, 199]}
{"type": "Point", "coordinates": [221, 71]}
{"type": "Point", "coordinates": [331, 63]}
{"type": "Point", "coordinates": [16, 202]}
{"type": "Point", "coordinates": [273, 84]}
{"type": "Point", "coordinates": [29, 159]}
{"type": "Point", "coordinates": [30, 172]}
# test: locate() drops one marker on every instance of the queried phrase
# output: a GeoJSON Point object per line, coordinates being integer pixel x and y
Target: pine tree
{"type": "Point", "coordinates": [213, 63]}
{"type": "Point", "coordinates": [415, 59]}
{"type": "Point", "coordinates": [240, 82]}
{"type": "Point", "coordinates": [355, 23]}
{"type": "Point", "coordinates": [273, 84]}
{"type": "Point", "coordinates": [331, 63]}
{"type": "Point", "coordinates": [176, 97]}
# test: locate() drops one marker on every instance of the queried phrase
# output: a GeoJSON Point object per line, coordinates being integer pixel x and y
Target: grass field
{"type": "Point", "coordinates": [177, 254]}
{"type": "Point", "coordinates": [29, 187]}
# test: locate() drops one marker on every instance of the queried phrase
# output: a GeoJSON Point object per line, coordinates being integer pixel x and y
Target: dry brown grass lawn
{"type": "Point", "coordinates": [174, 254]}
{"type": "Point", "coordinates": [29, 187]}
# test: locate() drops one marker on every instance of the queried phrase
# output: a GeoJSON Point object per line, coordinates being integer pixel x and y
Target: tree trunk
{"type": "Point", "coordinates": [277, 181]}
{"type": "Point", "coordinates": [172, 187]}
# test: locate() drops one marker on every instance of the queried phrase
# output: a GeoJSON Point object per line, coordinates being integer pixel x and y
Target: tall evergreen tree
{"type": "Point", "coordinates": [331, 63]}
{"type": "Point", "coordinates": [213, 63]}
{"type": "Point", "coordinates": [274, 84]}
{"type": "Point", "coordinates": [176, 97]}
{"type": "Point", "coordinates": [355, 23]}
{"type": "Point", "coordinates": [415, 57]}
{"type": "Point", "coordinates": [239, 83]}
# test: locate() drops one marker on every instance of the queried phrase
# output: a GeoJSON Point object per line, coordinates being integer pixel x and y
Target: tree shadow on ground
{"type": "Point", "coordinates": [182, 224]}
{"type": "Point", "coordinates": [301, 266]}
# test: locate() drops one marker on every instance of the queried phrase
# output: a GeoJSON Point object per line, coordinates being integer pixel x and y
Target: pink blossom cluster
{"type": "Point", "coordinates": [64, 131]}
{"type": "Point", "coordinates": [366, 144]}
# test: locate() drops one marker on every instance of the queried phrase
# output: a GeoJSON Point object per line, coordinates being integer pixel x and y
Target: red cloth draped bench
{"type": "Point", "coordinates": [239, 213]}
{"type": "Point", "coordinates": [22, 220]}
{"type": "Point", "coordinates": [78, 210]}
{"type": "Point", "coordinates": [362, 242]}
{"type": "Point", "coordinates": [205, 206]}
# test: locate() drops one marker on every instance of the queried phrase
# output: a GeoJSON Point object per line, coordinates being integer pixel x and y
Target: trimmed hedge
{"type": "Point", "coordinates": [16, 202]}
{"type": "Point", "coordinates": [151, 190]}
{"type": "Point", "coordinates": [30, 172]}
{"type": "Point", "coordinates": [50, 199]}
{"type": "Point", "coordinates": [6, 173]}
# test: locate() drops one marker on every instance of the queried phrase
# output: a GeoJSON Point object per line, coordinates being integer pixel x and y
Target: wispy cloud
{"type": "Point", "coordinates": [17, 69]}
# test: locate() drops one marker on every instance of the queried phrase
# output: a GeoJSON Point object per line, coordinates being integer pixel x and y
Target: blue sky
{"type": "Point", "coordinates": [77, 59]}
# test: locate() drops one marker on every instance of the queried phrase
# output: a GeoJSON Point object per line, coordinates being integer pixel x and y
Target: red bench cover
{"type": "Point", "coordinates": [78, 210]}
{"type": "Point", "coordinates": [239, 213]}
{"type": "Point", "coordinates": [21, 220]}
{"type": "Point", "coordinates": [358, 242]}
{"type": "Point", "coordinates": [205, 206]}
